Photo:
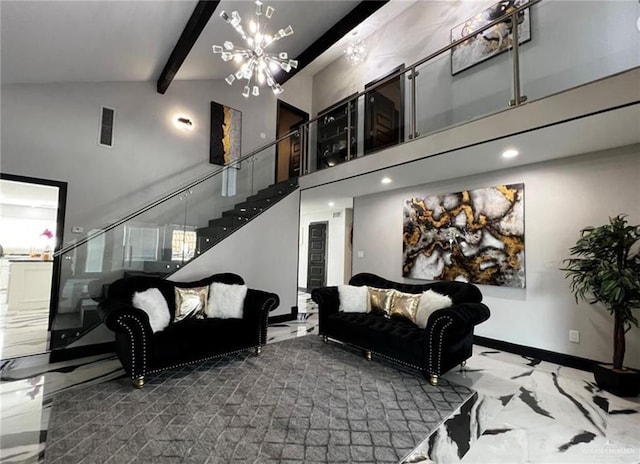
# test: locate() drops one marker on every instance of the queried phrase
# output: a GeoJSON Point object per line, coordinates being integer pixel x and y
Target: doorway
{"type": "Point", "coordinates": [317, 256]}
{"type": "Point", "coordinates": [384, 113]}
{"type": "Point", "coordinates": [288, 151]}
{"type": "Point", "coordinates": [31, 230]}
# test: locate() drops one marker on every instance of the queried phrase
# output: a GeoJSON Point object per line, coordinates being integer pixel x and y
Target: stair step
{"type": "Point", "coordinates": [245, 212]}
{"type": "Point", "coordinates": [276, 190]}
{"type": "Point", "coordinates": [221, 222]}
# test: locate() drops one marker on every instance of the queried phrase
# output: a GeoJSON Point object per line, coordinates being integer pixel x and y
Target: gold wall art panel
{"type": "Point", "coordinates": [473, 236]}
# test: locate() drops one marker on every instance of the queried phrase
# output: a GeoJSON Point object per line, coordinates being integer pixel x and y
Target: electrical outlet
{"type": "Point", "coordinates": [574, 336]}
{"type": "Point", "coordinates": [360, 254]}
{"type": "Point", "coordinates": [77, 230]}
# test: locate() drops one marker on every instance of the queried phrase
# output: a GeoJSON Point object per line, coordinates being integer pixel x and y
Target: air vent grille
{"type": "Point", "coordinates": [107, 122]}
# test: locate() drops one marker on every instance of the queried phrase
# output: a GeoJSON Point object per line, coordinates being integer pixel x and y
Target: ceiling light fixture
{"type": "Point", "coordinates": [510, 153]}
{"type": "Point", "coordinates": [259, 65]}
{"type": "Point", "coordinates": [332, 204]}
{"type": "Point", "coordinates": [355, 53]}
{"type": "Point", "coordinates": [385, 180]}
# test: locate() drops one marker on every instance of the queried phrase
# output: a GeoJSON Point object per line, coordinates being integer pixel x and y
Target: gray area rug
{"type": "Point", "coordinates": [301, 401]}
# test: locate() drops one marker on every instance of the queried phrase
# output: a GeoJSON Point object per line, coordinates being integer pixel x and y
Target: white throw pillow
{"type": "Point", "coordinates": [152, 302]}
{"type": "Point", "coordinates": [430, 301]}
{"type": "Point", "coordinates": [354, 299]}
{"type": "Point", "coordinates": [226, 301]}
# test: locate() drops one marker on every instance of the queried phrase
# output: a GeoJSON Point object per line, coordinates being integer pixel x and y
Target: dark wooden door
{"type": "Point", "coordinates": [384, 112]}
{"type": "Point", "coordinates": [382, 122]}
{"type": "Point", "coordinates": [294, 160]}
{"type": "Point", "coordinates": [317, 255]}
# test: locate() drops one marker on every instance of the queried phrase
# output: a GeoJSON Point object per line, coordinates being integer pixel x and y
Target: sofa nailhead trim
{"type": "Point", "coordinates": [383, 355]}
{"type": "Point", "coordinates": [144, 344]}
{"type": "Point", "coordinates": [448, 321]}
{"type": "Point", "coordinates": [268, 302]}
{"type": "Point", "coordinates": [199, 360]}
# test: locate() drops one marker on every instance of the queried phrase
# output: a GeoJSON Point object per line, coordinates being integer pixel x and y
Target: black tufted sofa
{"type": "Point", "coordinates": [445, 342]}
{"type": "Point", "coordinates": [143, 352]}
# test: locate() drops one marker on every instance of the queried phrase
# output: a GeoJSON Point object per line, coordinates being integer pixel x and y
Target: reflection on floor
{"type": "Point", "coordinates": [23, 332]}
{"type": "Point", "coordinates": [524, 410]}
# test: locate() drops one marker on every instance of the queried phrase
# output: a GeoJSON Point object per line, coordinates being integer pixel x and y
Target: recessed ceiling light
{"type": "Point", "coordinates": [510, 153]}
{"type": "Point", "coordinates": [386, 180]}
{"type": "Point", "coordinates": [332, 204]}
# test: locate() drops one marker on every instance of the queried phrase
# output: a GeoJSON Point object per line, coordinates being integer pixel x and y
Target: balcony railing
{"type": "Point", "coordinates": [551, 51]}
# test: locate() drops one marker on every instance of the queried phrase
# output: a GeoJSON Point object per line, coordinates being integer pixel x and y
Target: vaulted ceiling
{"type": "Point", "coordinates": [131, 40]}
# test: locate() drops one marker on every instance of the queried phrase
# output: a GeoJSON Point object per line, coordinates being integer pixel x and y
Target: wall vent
{"type": "Point", "coordinates": [337, 215]}
{"type": "Point", "coordinates": [107, 122]}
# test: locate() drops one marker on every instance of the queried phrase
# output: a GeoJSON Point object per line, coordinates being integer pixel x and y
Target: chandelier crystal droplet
{"type": "Point", "coordinates": [258, 65]}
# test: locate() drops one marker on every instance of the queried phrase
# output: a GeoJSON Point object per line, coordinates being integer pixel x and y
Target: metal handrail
{"type": "Point", "coordinates": [304, 128]}
{"type": "Point", "coordinates": [444, 49]}
{"type": "Point", "coordinates": [168, 196]}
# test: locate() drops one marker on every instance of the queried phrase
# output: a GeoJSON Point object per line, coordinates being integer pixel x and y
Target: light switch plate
{"type": "Point", "coordinates": [360, 254]}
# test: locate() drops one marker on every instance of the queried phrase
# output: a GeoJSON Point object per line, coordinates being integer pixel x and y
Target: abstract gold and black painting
{"type": "Point", "coordinates": [226, 130]}
{"type": "Point", "coordinates": [473, 236]}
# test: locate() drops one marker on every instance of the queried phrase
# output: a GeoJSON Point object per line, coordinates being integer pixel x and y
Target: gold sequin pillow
{"type": "Point", "coordinates": [380, 300]}
{"type": "Point", "coordinates": [405, 306]}
{"type": "Point", "coordinates": [191, 302]}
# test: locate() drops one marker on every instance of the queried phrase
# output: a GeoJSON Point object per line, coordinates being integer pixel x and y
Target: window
{"type": "Point", "coordinates": [141, 243]}
{"type": "Point", "coordinates": [183, 245]}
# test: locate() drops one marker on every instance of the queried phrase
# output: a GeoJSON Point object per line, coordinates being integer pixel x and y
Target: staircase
{"type": "Point", "coordinates": [71, 326]}
{"type": "Point", "coordinates": [242, 213]}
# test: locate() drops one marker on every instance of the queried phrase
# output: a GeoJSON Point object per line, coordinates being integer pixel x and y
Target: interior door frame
{"type": "Point", "coordinates": [60, 218]}
{"type": "Point", "coordinates": [304, 116]}
{"type": "Point", "coordinates": [367, 114]}
{"type": "Point", "coordinates": [326, 250]}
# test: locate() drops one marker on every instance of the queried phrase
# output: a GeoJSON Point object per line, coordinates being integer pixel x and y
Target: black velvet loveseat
{"type": "Point", "coordinates": [144, 349]}
{"type": "Point", "coordinates": [445, 342]}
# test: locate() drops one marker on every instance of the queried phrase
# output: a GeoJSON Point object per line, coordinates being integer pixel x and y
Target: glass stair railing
{"type": "Point", "coordinates": [161, 238]}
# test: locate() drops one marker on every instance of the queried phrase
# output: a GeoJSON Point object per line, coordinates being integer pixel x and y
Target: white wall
{"type": "Point", "coordinates": [336, 244]}
{"type": "Point", "coordinates": [53, 128]}
{"type": "Point", "coordinates": [561, 197]}
{"type": "Point", "coordinates": [263, 252]}
{"type": "Point", "coordinates": [562, 53]}
{"type": "Point", "coordinates": [298, 92]}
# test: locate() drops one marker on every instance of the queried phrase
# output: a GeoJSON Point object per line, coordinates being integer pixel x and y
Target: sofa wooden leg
{"type": "Point", "coordinates": [368, 355]}
{"type": "Point", "coordinates": [138, 382]}
{"type": "Point", "coordinates": [433, 379]}
{"type": "Point", "coordinates": [258, 350]}
{"type": "Point", "coordinates": [325, 339]}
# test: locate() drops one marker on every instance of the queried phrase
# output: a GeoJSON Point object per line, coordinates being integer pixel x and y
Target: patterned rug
{"type": "Point", "coordinates": [301, 401]}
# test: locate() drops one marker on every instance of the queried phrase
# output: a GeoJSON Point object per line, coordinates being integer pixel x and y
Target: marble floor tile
{"type": "Point", "coordinates": [24, 332]}
{"type": "Point", "coordinates": [524, 410]}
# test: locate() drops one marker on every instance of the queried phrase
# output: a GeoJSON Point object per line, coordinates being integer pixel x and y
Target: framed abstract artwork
{"type": "Point", "coordinates": [226, 136]}
{"type": "Point", "coordinates": [472, 236]}
{"type": "Point", "coordinates": [492, 41]}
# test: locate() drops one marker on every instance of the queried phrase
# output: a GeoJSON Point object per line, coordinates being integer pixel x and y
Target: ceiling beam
{"type": "Point", "coordinates": [197, 22]}
{"type": "Point", "coordinates": [361, 12]}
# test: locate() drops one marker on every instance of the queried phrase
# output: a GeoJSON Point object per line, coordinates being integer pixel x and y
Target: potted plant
{"type": "Point", "coordinates": [605, 269]}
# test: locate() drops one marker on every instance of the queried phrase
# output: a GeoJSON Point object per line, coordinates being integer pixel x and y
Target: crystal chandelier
{"type": "Point", "coordinates": [259, 65]}
{"type": "Point", "coordinates": [355, 52]}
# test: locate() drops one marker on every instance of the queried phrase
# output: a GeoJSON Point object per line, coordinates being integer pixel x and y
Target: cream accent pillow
{"type": "Point", "coordinates": [152, 302]}
{"type": "Point", "coordinates": [353, 299]}
{"type": "Point", "coordinates": [191, 302]}
{"type": "Point", "coordinates": [226, 301]}
{"type": "Point", "coordinates": [430, 302]}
